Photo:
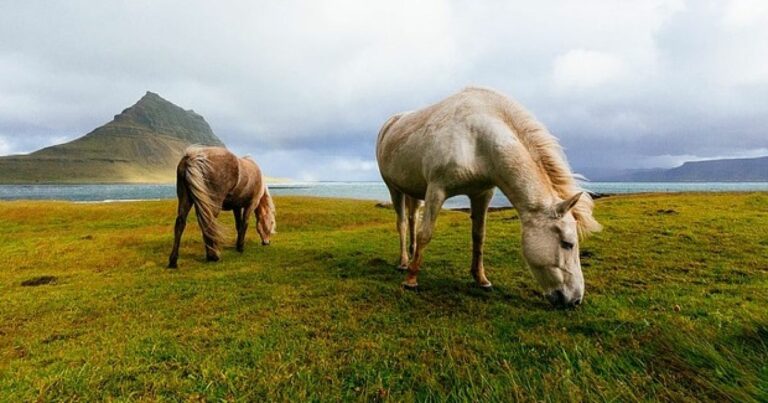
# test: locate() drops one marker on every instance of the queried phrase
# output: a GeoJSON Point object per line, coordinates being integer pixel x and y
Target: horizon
{"type": "Point", "coordinates": [304, 88]}
{"type": "Point", "coordinates": [602, 179]}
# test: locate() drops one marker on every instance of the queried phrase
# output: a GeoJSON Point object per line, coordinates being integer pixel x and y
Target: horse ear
{"type": "Point", "coordinates": [565, 205]}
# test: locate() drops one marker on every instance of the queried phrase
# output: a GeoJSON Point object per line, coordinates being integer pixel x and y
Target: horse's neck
{"type": "Point", "coordinates": [521, 180]}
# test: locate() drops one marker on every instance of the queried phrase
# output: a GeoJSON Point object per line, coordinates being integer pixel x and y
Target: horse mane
{"type": "Point", "coordinates": [267, 207]}
{"type": "Point", "coordinates": [548, 155]}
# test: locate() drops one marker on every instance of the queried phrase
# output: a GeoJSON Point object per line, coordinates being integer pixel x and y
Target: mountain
{"type": "Point", "coordinates": [723, 170]}
{"type": "Point", "coordinates": [142, 144]}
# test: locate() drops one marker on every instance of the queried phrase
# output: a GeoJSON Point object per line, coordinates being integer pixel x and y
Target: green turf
{"type": "Point", "coordinates": [675, 309]}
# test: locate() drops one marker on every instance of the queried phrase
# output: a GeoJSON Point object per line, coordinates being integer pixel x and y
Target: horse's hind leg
{"type": "Point", "coordinates": [181, 221]}
{"type": "Point", "coordinates": [398, 203]}
{"type": "Point", "coordinates": [479, 209]}
{"type": "Point", "coordinates": [413, 205]}
{"type": "Point", "coordinates": [240, 223]}
{"type": "Point", "coordinates": [432, 205]}
{"type": "Point", "coordinates": [212, 253]}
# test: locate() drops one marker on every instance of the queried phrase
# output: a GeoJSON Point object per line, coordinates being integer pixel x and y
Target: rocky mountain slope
{"type": "Point", "coordinates": [142, 144]}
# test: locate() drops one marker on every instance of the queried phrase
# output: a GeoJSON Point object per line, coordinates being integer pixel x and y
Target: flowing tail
{"type": "Point", "coordinates": [193, 172]}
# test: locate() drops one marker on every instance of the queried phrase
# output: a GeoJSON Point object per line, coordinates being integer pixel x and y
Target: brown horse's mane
{"type": "Point", "coordinates": [546, 151]}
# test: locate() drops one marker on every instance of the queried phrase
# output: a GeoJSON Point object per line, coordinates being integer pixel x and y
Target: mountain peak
{"type": "Point", "coordinates": [143, 143]}
{"type": "Point", "coordinates": [154, 113]}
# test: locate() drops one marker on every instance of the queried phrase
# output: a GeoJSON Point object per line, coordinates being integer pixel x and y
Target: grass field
{"type": "Point", "coordinates": [676, 307]}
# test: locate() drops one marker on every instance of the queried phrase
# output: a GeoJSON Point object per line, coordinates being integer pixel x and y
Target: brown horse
{"type": "Point", "coordinates": [213, 179]}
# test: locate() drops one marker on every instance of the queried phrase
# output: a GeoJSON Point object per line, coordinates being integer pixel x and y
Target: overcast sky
{"type": "Point", "coordinates": [304, 86]}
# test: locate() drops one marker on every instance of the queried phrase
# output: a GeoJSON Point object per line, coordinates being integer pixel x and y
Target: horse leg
{"type": "Point", "coordinates": [432, 205]}
{"type": "Point", "coordinates": [479, 209]}
{"type": "Point", "coordinates": [398, 203]}
{"type": "Point", "coordinates": [413, 210]}
{"type": "Point", "coordinates": [212, 253]}
{"type": "Point", "coordinates": [238, 213]}
{"type": "Point", "coordinates": [247, 213]}
{"type": "Point", "coordinates": [181, 221]}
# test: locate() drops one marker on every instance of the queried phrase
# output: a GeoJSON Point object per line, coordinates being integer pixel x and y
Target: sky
{"type": "Point", "coordinates": [304, 86]}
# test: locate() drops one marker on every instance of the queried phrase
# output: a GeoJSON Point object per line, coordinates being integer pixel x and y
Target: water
{"type": "Point", "coordinates": [351, 190]}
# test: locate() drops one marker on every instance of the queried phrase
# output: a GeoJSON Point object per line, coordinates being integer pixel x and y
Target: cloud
{"type": "Point", "coordinates": [5, 147]}
{"type": "Point", "coordinates": [581, 68]}
{"type": "Point", "coordinates": [310, 165]}
{"type": "Point", "coordinates": [744, 13]}
{"type": "Point", "coordinates": [618, 82]}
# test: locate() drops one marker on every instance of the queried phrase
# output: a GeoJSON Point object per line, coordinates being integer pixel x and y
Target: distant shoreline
{"type": "Point", "coordinates": [373, 191]}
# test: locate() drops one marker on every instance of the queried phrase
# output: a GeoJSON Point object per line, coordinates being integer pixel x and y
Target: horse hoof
{"type": "Point", "coordinates": [173, 266]}
{"type": "Point", "coordinates": [212, 258]}
{"type": "Point", "coordinates": [265, 243]}
{"type": "Point", "coordinates": [240, 249]}
{"type": "Point", "coordinates": [402, 267]}
{"type": "Point", "coordinates": [487, 286]}
{"type": "Point", "coordinates": [410, 286]}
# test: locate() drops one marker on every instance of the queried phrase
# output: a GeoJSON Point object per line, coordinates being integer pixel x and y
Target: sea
{"type": "Point", "coordinates": [350, 190]}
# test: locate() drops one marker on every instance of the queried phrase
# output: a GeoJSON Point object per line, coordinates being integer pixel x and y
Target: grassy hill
{"type": "Point", "coordinates": [675, 307]}
{"type": "Point", "coordinates": [142, 144]}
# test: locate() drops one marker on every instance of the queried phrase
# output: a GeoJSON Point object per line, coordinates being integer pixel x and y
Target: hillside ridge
{"type": "Point", "coordinates": [142, 144]}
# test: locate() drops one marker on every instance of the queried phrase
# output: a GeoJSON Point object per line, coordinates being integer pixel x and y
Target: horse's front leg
{"type": "Point", "coordinates": [247, 213]}
{"type": "Point", "coordinates": [432, 205]}
{"type": "Point", "coordinates": [181, 222]}
{"type": "Point", "coordinates": [240, 225]}
{"type": "Point", "coordinates": [479, 209]}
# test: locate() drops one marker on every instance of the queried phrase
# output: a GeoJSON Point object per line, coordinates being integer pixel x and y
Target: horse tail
{"type": "Point", "coordinates": [384, 129]}
{"type": "Point", "coordinates": [193, 172]}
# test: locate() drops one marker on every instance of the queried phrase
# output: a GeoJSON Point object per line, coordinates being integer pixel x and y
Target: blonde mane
{"type": "Point", "coordinates": [546, 151]}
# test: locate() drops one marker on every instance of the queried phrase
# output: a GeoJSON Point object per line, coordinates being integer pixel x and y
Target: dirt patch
{"type": "Point", "coordinates": [666, 212]}
{"type": "Point", "coordinates": [54, 337]}
{"type": "Point", "coordinates": [20, 351]}
{"type": "Point", "coordinates": [36, 281]}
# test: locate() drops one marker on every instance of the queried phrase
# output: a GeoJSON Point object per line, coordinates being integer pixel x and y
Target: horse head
{"type": "Point", "coordinates": [551, 249]}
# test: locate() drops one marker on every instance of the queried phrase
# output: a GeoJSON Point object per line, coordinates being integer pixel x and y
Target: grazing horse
{"type": "Point", "coordinates": [213, 179]}
{"type": "Point", "coordinates": [471, 143]}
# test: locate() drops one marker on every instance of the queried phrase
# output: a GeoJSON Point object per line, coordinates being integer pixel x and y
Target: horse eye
{"type": "Point", "coordinates": [566, 245]}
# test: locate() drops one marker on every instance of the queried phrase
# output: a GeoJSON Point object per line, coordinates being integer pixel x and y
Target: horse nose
{"type": "Point", "coordinates": [558, 299]}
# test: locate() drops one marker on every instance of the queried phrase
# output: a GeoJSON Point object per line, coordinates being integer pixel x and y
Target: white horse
{"type": "Point", "coordinates": [469, 144]}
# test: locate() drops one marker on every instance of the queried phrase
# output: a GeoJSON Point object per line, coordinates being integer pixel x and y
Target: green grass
{"type": "Point", "coordinates": [677, 290]}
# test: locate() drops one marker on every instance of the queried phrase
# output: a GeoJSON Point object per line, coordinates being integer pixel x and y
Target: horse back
{"type": "Point", "coordinates": [249, 187]}
{"type": "Point", "coordinates": [221, 173]}
{"type": "Point", "coordinates": [453, 142]}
